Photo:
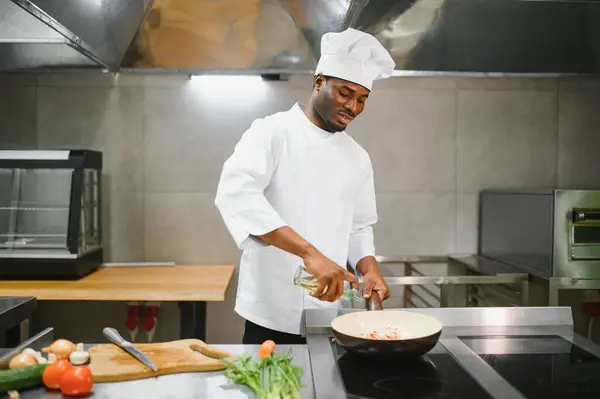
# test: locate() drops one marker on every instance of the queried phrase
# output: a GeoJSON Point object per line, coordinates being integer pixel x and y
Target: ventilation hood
{"type": "Point", "coordinates": [283, 36]}
{"type": "Point", "coordinates": [75, 34]}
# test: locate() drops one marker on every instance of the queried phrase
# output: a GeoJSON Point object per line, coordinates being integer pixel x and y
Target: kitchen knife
{"type": "Point", "coordinates": [116, 338]}
{"type": "Point", "coordinates": [37, 342]}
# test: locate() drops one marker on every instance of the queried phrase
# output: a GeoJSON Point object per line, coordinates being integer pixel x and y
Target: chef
{"type": "Point", "coordinates": [298, 190]}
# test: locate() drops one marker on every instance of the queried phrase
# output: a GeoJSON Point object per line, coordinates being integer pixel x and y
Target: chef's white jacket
{"type": "Point", "coordinates": [287, 171]}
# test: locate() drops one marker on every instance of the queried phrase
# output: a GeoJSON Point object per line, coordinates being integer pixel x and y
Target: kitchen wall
{"type": "Point", "coordinates": [434, 143]}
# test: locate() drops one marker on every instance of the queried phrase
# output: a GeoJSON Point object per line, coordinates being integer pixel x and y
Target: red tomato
{"type": "Point", "coordinates": [76, 381]}
{"type": "Point", "coordinates": [53, 373]}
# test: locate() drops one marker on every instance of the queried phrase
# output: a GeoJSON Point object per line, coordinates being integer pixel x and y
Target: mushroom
{"type": "Point", "coordinates": [79, 358]}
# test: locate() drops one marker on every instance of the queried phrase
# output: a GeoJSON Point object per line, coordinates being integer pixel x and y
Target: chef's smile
{"type": "Point", "coordinates": [345, 118]}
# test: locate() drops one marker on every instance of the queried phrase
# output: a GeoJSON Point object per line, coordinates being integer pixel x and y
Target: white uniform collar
{"type": "Point", "coordinates": [323, 134]}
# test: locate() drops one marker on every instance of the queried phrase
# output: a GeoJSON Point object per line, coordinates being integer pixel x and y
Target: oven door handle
{"type": "Point", "coordinates": [582, 216]}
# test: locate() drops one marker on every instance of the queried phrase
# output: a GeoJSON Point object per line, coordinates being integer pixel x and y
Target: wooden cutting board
{"type": "Point", "coordinates": [110, 363]}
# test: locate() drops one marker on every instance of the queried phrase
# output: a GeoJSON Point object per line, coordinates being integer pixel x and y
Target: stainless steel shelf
{"type": "Point", "coordinates": [22, 208]}
{"type": "Point", "coordinates": [34, 235]}
{"type": "Point", "coordinates": [461, 281]}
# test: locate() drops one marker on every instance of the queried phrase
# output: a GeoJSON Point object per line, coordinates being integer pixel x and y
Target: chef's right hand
{"type": "Point", "coordinates": [331, 277]}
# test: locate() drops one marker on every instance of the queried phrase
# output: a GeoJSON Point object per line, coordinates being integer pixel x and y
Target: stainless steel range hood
{"type": "Point", "coordinates": [423, 36]}
{"type": "Point", "coordinates": [283, 36]}
{"type": "Point", "coordinates": [75, 34]}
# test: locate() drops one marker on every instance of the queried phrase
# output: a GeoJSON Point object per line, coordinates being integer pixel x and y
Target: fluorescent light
{"type": "Point", "coordinates": [35, 154]}
{"type": "Point", "coordinates": [229, 86]}
{"type": "Point", "coordinates": [227, 79]}
{"type": "Point", "coordinates": [402, 72]}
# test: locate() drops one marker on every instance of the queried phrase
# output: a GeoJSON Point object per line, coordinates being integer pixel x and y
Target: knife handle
{"type": "Point", "coordinates": [114, 336]}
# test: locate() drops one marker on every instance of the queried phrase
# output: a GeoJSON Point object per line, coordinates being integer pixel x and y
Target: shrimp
{"type": "Point", "coordinates": [389, 333]}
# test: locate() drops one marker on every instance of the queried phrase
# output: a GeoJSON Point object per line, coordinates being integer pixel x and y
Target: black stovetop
{"type": "Point", "coordinates": [545, 367]}
{"type": "Point", "coordinates": [435, 375]}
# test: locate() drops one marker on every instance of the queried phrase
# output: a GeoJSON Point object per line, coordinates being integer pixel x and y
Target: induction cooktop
{"type": "Point", "coordinates": [541, 366]}
{"type": "Point", "coordinates": [435, 375]}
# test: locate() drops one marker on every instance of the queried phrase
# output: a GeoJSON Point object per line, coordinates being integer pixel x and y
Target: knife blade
{"type": "Point", "coordinates": [37, 342]}
{"type": "Point", "coordinates": [116, 338]}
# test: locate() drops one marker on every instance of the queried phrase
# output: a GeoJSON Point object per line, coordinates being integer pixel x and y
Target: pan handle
{"type": "Point", "coordinates": [374, 302]}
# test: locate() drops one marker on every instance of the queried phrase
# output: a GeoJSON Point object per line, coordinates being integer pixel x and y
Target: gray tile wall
{"type": "Point", "coordinates": [434, 143]}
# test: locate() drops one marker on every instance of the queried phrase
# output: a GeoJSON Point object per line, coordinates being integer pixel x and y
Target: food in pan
{"type": "Point", "coordinates": [389, 333]}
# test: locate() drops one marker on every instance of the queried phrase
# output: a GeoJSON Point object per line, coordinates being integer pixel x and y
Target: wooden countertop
{"type": "Point", "coordinates": [157, 283]}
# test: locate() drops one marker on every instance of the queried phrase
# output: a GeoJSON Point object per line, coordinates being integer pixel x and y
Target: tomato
{"type": "Point", "coordinates": [77, 381]}
{"type": "Point", "coordinates": [54, 372]}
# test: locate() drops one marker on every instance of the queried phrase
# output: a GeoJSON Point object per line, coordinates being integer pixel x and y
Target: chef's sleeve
{"type": "Point", "coordinates": [240, 194]}
{"type": "Point", "coordinates": [362, 243]}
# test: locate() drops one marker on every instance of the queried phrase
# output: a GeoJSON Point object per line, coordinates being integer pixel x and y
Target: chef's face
{"type": "Point", "coordinates": [338, 102]}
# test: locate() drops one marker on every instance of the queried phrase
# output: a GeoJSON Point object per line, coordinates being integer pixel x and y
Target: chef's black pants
{"type": "Point", "coordinates": [256, 335]}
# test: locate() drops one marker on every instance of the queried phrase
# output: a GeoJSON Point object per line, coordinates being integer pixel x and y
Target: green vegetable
{"type": "Point", "coordinates": [274, 377]}
{"type": "Point", "coordinates": [23, 378]}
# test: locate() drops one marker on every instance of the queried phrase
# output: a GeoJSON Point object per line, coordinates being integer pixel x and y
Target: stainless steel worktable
{"type": "Point", "coordinates": [13, 312]}
{"type": "Point", "coordinates": [187, 385]}
{"type": "Point", "coordinates": [502, 331]}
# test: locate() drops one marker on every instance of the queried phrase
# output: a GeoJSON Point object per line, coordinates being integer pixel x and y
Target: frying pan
{"type": "Point", "coordinates": [418, 333]}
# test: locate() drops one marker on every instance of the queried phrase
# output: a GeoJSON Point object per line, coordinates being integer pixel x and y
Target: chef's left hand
{"type": "Point", "coordinates": [373, 282]}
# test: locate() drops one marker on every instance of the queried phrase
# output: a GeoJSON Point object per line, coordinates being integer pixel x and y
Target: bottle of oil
{"type": "Point", "coordinates": [303, 278]}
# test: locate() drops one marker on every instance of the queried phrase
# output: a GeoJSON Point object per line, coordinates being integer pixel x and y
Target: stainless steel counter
{"type": "Point", "coordinates": [322, 376]}
{"type": "Point", "coordinates": [15, 310]}
{"type": "Point", "coordinates": [14, 319]}
{"type": "Point", "coordinates": [458, 322]}
{"type": "Point", "coordinates": [188, 385]}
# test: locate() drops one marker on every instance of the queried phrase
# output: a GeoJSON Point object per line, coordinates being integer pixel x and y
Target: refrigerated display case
{"type": "Point", "coordinates": [50, 213]}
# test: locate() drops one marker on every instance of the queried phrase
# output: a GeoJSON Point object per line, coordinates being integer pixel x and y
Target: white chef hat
{"type": "Point", "coordinates": [354, 56]}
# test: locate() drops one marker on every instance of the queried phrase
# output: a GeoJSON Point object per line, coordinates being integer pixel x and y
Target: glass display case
{"type": "Point", "coordinates": [50, 213]}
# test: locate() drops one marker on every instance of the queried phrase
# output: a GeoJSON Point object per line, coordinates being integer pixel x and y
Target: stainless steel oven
{"type": "Point", "coordinates": [548, 233]}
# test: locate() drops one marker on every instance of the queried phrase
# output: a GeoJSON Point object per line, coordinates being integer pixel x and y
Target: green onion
{"type": "Point", "coordinates": [274, 377]}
